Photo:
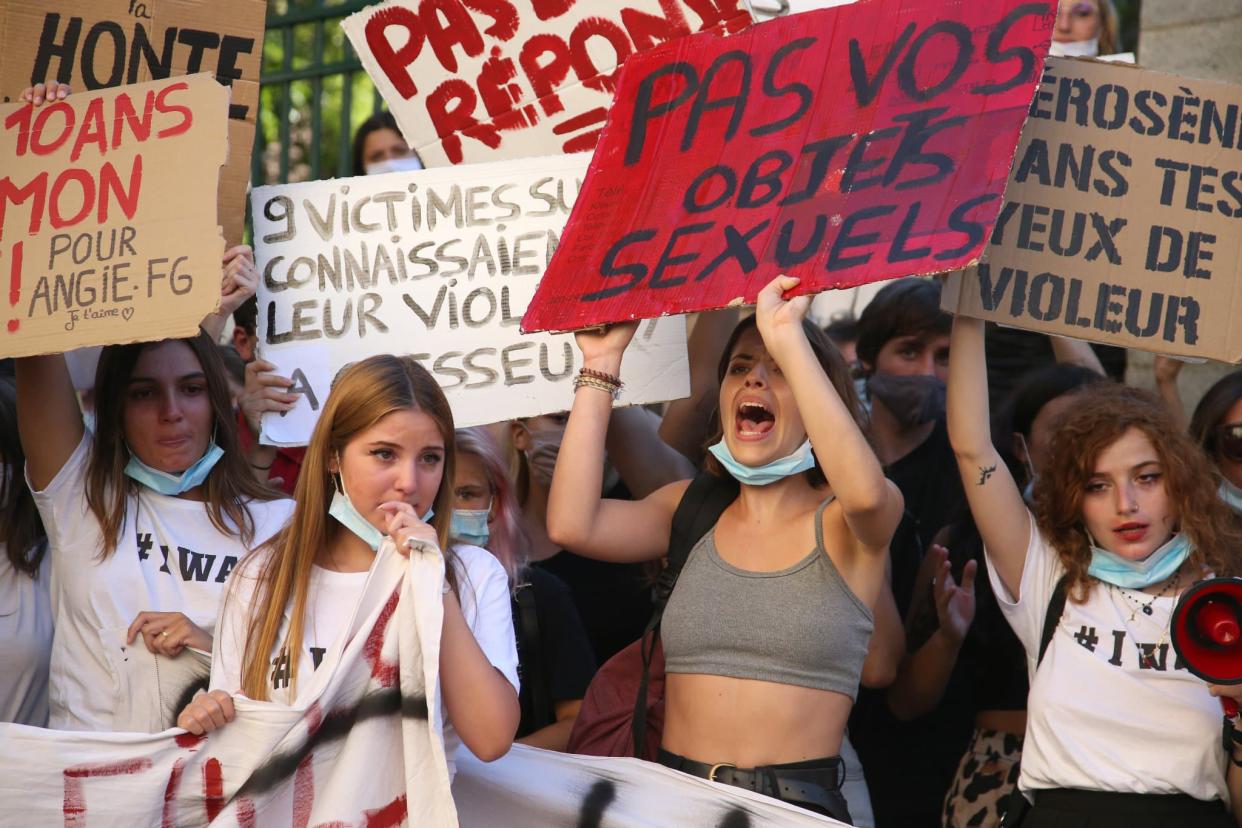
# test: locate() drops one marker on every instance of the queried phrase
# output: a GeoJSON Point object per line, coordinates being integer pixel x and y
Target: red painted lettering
{"type": "Point", "coordinates": [396, 63]}
{"type": "Point", "coordinates": [163, 107]}
{"type": "Point", "coordinates": [36, 190]}
{"type": "Point", "coordinates": [548, 9]}
{"type": "Point", "coordinates": [92, 130]}
{"type": "Point", "coordinates": [546, 76]}
{"type": "Point", "coordinates": [448, 24]}
{"type": "Point", "coordinates": [110, 182]}
{"type": "Point", "coordinates": [125, 114]}
{"type": "Point", "coordinates": [504, 17]}
{"type": "Point", "coordinates": [451, 109]}
{"type": "Point", "coordinates": [37, 142]}
{"type": "Point", "coordinates": [584, 65]}
{"type": "Point", "coordinates": [86, 181]}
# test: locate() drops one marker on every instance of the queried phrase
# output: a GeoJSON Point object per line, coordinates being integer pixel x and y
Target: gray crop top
{"type": "Point", "coordinates": [802, 625]}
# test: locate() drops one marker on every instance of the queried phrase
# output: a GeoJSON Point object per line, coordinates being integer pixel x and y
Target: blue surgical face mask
{"type": "Point", "coordinates": [1156, 567]}
{"type": "Point", "coordinates": [470, 525]}
{"type": "Point", "coordinates": [1232, 495]}
{"type": "Point", "coordinates": [343, 510]}
{"type": "Point", "coordinates": [347, 515]}
{"type": "Point", "coordinates": [174, 484]}
{"type": "Point", "coordinates": [803, 459]}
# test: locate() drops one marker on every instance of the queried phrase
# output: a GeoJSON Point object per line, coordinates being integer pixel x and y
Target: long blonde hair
{"type": "Point", "coordinates": [362, 394]}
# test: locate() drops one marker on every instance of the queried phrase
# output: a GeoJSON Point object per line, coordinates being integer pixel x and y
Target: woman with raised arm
{"type": "Point", "coordinates": [378, 474]}
{"type": "Point", "coordinates": [1125, 517]}
{"type": "Point", "coordinates": [766, 632]}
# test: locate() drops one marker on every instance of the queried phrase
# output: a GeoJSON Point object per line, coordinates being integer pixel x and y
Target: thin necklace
{"type": "Point", "coordinates": [1147, 608]}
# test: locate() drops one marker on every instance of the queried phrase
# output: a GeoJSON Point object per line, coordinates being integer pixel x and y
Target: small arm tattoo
{"type": "Point", "coordinates": [984, 474]}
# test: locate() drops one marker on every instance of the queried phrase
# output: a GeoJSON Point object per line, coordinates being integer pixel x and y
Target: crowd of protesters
{"type": "Point", "coordinates": [933, 585]}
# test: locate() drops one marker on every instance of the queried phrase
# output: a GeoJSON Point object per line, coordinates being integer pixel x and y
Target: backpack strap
{"type": "Point", "coordinates": [536, 677]}
{"type": "Point", "coordinates": [1052, 618]}
{"type": "Point", "coordinates": [701, 506]}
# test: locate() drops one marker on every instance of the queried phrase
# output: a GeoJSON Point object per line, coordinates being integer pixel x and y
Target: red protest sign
{"type": "Point", "coordinates": [843, 146]}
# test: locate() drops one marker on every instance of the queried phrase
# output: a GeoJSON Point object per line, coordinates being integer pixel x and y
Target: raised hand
{"type": "Point", "coordinates": [955, 604]}
{"type": "Point", "coordinates": [240, 278]}
{"type": "Point", "coordinates": [264, 391]}
{"type": "Point", "coordinates": [602, 349]}
{"type": "Point", "coordinates": [778, 318]}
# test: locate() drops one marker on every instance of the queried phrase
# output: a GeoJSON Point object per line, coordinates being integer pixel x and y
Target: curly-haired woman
{"type": "Point", "coordinates": [1126, 516]}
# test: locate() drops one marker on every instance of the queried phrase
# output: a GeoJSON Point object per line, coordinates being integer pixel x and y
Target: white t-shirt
{"type": "Point", "coordinates": [25, 642]}
{"type": "Point", "coordinates": [333, 596]}
{"type": "Point", "coordinates": [1100, 716]}
{"type": "Point", "coordinates": [169, 558]}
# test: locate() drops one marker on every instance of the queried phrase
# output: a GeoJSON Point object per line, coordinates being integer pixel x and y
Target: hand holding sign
{"type": "Point", "coordinates": [779, 316]}
{"type": "Point", "coordinates": [51, 91]}
{"type": "Point", "coordinates": [102, 223]}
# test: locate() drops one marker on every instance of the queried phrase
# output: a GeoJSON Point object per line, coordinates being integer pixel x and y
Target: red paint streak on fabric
{"type": "Point", "coordinates": [390, 816]}
{"type": "Point", "coordinates": [188, 740]}
{"type": "Point", "coordinates": [169, 817]}
{"type": "Point", "coordinates": [382, 671]}
{"type": "Point", "coordinates": [213, 788]}
{"type": "Point", "coordinates": [74, 805]}
{"type": "Point", "coordinates": [304, 791]}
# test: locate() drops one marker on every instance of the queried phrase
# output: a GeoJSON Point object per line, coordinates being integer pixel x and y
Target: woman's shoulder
{"type": "Point", "coordinates": [270, 516]}
{"type": "Point", "coordinates": [476, 563]}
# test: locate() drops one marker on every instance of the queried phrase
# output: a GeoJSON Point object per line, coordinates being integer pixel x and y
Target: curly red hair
{"type": "Point", "coordinates": [1101, 414]}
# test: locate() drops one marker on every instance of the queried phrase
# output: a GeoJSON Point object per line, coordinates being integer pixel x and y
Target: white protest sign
{"type": "Point", "coordinates": [472, 81]}
{"type": "Point", "coordinates": [439, 264]}
{"type": "Point", "coordinates": [767, 9]}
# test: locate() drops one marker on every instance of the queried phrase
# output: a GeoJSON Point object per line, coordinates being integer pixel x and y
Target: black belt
{"type": "Point", "coordinates": [814, 785]}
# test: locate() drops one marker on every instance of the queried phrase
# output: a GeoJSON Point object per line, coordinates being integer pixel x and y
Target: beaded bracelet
{"type": "Point", "coordinates": [601, 376]}
{"type": "Point", "coordinates": [590, 382]}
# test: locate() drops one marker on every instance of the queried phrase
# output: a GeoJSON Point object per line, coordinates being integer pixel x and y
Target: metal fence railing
{"type": "Point", "coordinates": [314, 93]}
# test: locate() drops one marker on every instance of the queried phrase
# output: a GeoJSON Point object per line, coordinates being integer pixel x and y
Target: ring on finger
{"type": "Point", "coordinates": [164, 634]}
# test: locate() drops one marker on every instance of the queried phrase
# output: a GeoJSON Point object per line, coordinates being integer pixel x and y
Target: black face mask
{"type": "Point", "coordinates": [912, 401]}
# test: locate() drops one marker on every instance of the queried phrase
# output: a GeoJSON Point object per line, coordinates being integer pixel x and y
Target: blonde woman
{"type": "Point", "coordinates": [378, 471]}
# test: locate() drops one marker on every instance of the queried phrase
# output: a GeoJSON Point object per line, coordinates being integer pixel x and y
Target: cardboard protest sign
{"type": "Point", "coordinates": [441, 264]}
{"type": "Point", "coordinates": [473, 81]}
{"type": "Point", "coordinates": [97, 44]}
{"type": "Point", "coordinates": [844, 146]}
{"type": "Point", "coordinates": [1120, 222]}
{"type": "Point", "coordinates": [106, 233]}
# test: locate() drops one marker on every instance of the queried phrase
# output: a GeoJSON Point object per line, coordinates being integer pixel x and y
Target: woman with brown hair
{"type": "Point", "coordinates": [378, 472]}
{"type": "Point", "coordinates": [767, 630]}
{"type": "Point", "coordinates": [1126, 516]}
{"type": "Point", "coordinates": [145, 517]}
{"type": "Point", "coordinates": [25, 568]}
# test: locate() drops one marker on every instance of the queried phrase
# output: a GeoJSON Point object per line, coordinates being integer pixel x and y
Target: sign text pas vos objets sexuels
{"type": "Point", "coordinates": [843, 146]}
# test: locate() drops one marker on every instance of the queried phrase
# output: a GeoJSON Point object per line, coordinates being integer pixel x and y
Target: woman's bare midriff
{"type": "Point", "coordinates": [747, 723]}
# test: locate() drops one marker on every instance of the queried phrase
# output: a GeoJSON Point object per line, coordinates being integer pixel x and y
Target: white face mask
{"type": "Point", "coordinates": [1076, 48]}
{"type": "Point", "coordinates": [409, 163]}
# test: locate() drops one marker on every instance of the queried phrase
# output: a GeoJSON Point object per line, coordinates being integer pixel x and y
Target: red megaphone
{"type": "Point", "coordinates": [1207, 632]}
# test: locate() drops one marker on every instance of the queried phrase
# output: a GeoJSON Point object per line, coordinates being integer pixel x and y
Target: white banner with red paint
{"type": "Point", "coordinates": [364, 754]}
